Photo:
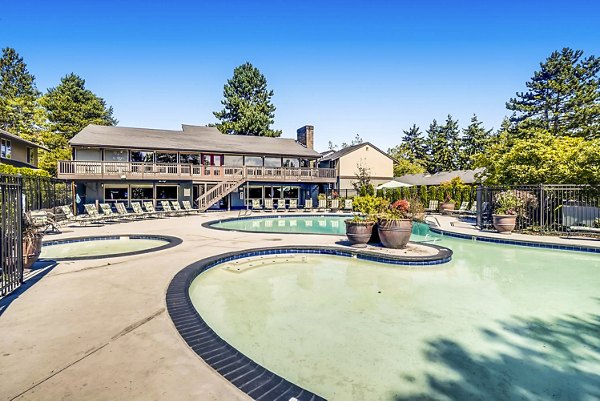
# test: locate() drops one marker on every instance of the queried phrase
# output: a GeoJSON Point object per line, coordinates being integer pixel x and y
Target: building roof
{"type": "Point", "coordinates": [19, 139]}
{"type": "Point", "coordinates": [467, 176]}
{"type": "Point", "coordinates": [190, 138]}
{"type": "Point", "coordinates": [350, 149]}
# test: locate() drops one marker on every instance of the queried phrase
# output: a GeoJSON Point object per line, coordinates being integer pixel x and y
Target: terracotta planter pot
{"type": "Point", "coordinates": [32, 247]}
{"type": "Point", "coordinates": [395, 233]}
{"type": "Point", "coordinates": [446, 206]}
{"type": "Point", "coordinates": [504, 223]}
{"type": "Point", "coordinates": [359, 233]}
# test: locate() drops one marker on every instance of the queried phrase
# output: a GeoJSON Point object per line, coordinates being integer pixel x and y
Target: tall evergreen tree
{"type": "Point", "coordinates": [563, 97]}
{"type": "Point", "coordinates": [436, 144]}
{"type": "Point", "coordinates": [247, 105]}
{"type": "Point", "coordinates": [18, 95]}
{"type": "Point", "coordinates": [450, 156]}
{"type": "Point", "coordinates": [474, 141]}
{"type": "Point", "coordinates": [415, 145]}
{"type": "Point", "coordinates": [71, 107]}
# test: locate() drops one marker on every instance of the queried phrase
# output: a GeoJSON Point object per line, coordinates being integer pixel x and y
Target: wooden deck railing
{"type": "Point", "coordinates": [94, 170]}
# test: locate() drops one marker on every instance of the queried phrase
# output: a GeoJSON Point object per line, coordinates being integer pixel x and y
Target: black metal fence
{"type": "Point", "coordinates": [46, 193]}
{"type": "Point", "coordinates": [11, 236]}
{"type": "Point", "coordinates": [543, 208]}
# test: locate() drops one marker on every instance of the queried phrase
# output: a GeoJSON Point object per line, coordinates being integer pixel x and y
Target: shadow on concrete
{"type": "Point", "coordinates": [559, 361]}
{"type": "Point", "coordinates": [36, 273]}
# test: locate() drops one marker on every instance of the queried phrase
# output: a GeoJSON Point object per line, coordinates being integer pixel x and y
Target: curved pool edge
{"type": "Point", "coordinates": [209, 224]}
{"type": "Point", "coordinates": [241, 371]}
{"type": "Point", "coordinates": [171, 242]}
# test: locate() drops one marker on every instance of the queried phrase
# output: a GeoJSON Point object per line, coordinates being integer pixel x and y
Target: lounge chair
{"type": "Point", "coordinates": [108, 212]}
{"type": "Point", "coordinates": [188, 206]}
{"type": "Point", "coordinates": [45, 221]}
{"type": "Point", "coordinates": [149, 206]}
{"type": "Point", "coordinates": [281, 205]}
{"type": "Point", "coordinates": [139, 212]}
{"type": "Point", "coordinates": [122, 211]}
{"type": "Point", "coordinates": [268, 205]}
{"type": "Point", "coordinates": [166, 207]}
{"type": "Point", "coordinates": [462, 209]}
{"type": "Point", "coordinates": [308, 205]}
{"type": "Point", "coordinates": [433, 206]}
{"type": "Point", "coordinates": [322, 205]}
{"type": "Point", "coordinates": [335, 205]}
{"type": "Point", "coordinates": [293, 205]}
{"type": "Point", "coordinates": [91, 211]}
{"type": "Point", "coordinates": [256, 207]}
{"type": "Point", "coordinates": [347, 205]}
{"type": "Point", "coordinates": [80, 219]}
{"type": "Point", "coordinates": [473, 210]}
{"type": "Point", "coordinates": [177, 208]}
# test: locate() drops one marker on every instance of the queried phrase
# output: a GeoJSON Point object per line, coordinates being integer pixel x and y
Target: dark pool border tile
{"type": "Point", "coordinates": [509, 241]}
{"type": "Point", "coordinates": [171, 242]}
{"type": "Point", "coordinates": [248, 376]}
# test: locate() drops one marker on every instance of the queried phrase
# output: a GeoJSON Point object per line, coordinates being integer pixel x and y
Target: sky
{"type": "Point", "coordinates": [371, 68]}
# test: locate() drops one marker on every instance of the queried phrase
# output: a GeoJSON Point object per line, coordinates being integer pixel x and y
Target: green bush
{"type": "Point", "coordinates": [24, 171]}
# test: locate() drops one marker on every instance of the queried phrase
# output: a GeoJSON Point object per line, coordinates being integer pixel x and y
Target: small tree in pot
{"type": "Point", "coordinates": [505, 213]}
{"type": "Point", "coordinates": [32, 241]}
{"type": "Point", "coordinates": [360, 228]}
{"type": "Point", "coordinates": [395, 226]}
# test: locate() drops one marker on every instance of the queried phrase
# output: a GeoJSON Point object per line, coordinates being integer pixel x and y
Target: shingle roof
{"type": "Point", "coordinates": [467, 176]}
{"type": "Point", "coordinates": [18, 138]}
{"type": "Point", "coordinates": [190, 138]}
{"type": "Point", "coordinates": [350, 149]}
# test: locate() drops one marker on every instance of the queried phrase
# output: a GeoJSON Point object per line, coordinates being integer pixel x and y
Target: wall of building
{"type": "Point", "coordinates": [380, 166]}
{"type": "Point", "coordinates": [19, 151]}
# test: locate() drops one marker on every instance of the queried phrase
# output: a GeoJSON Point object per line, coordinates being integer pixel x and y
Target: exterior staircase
{"type": "Point", "coordinates": [218, 192]}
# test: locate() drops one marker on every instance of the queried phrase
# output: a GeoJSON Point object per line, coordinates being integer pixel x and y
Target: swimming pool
{"type": "Point", "coordinates": [497, 322]}
{"type": "Point", "coordinates": [313, 224]}
{"type": "Point", "coordinates": [105, 246]}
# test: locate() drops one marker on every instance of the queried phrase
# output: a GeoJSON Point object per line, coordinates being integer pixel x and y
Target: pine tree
{"type": "Point", "coordinates": [436, 143]}
{"type": "Point", "coordinates": [450, 155]}
{"type": "Point", "coordinates": [563, 97]}
{"type": "Point", "coordinates": [71, 107]}
{"type": "Point", "coordinates": [415, 145]}
{"type": "Point", "coordinates": [474, 142]}
{"type": "Point", "coordinates": [18, 95]}
{"type": "Point", "coordinates": [247, 104]}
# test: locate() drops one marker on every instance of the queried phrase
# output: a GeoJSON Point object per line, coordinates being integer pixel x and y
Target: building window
{"type": "Point", "coordinates": [253, 161]}
{"type": "Point", "coordinates": [189, 158]}
{"type": "Point", "coordinates": [116, 155]}
{"type": "Point", "coordinates": [276, 192]}
{"type": "Point", "coordinates": [116, 193]}
{"type": "Point", "coordinates": [5, 148]}
{"type": "Point", "coordinates": [291, 163]}
{"type": "Point", "coordinates": [140, 156]}
{"type": "Point", "coordinates": [233, 161]}
{"type": "Point", "coordinates": [255, 192]}
{"type": "Point", "coordinates": [291, 192]}
{"type": "Point", "coordinates": [88, 154]}
{"type": "Point", "coordinates": [30, 156]}
{"type": "Point", "coordinates": [167, 192]}
{"type": "Point", "coordinates": [272, 162]}
{"type": "Point", "coordinates": [166, 157]}
{"type": "Point", "coordinates": [140, 192]}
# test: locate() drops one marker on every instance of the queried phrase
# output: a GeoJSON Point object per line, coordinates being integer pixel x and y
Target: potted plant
{"type": "Point", "coordinates": [395, 226]}
{"type": "Point", "coordinates": [32, 241]}
{"type": "Point", "coordinates": [447, 205]}
{"type": "Point", "coordinates": [359, 229]}
{"type": "Point", "coordinates": [506, 210]}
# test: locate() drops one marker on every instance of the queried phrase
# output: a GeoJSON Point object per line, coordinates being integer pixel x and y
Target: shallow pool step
{"type": "Point", "coordinates": [245, 264]}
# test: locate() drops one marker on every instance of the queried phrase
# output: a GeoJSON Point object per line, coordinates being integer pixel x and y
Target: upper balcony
{"type": "Point", "coordinates": [101, 170]}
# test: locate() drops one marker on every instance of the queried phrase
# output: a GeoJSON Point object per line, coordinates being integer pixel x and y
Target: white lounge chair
{"type": "Point", "coordinates": [293, 205]}
{"type": "Point", "coordinates": [108, 212]}
{"type": "Point", "coordinates": [322, 205]}
{"type": "Point", "coordinates": [433, 206]}
{"type": "Point", "coordinates": [335, 205]}
{"type": "Point", "coordinates": [268, 205]}
{"type": "Point", "coordinates": [347, 205]}
{"type": "Point", "coordinates": [177, 208]}
{"type": "Point", "coordinates": [80, 219]}
{"type": "Point", "coordinates": [138, 211]}
{"type": "Point", "coordinates": [308, 205]}
{"type": "Point", "coordinates": [281, 205]}
{"type": "Point", "coordinates": [188, 206]}
{"type": "Point", "coordinates": [149, 206]}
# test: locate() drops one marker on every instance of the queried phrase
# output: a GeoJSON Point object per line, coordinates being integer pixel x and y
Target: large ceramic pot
{"type": "Point", "coordinates": [359, 232]}
{"type": "Point", "coordinates": [504, 223]}
{"type": "Point", "coordinates": [32, 247]}
{"type": "Point", "coordinates": [395, 233]}
{"type": "Point", "coordinates": [446, 206]}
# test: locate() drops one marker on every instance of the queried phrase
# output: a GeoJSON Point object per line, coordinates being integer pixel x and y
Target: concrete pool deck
{"type": "Point", "coordinates": [98, 329]}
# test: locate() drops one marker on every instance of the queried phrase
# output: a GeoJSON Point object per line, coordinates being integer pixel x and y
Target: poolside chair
{"type": "Point", "coordinates": [188, 206]}
{"type": "Point", "coordinates": [138, 211]}
{"type": "Point", "coordinates": [149, 206]}
{"type": "Point", "coordinates": [322, 205]}
{"type": "Point", "coordinates": [256, 207]}
{"type": "Point", "coordinates": [122, 211]}
{"type": "Point", "coordinates": [462, 209]}
{"type": "Point", "coordinates": [108, 212]}
{"type": "Point", "coordinates": [268, 205]}
{"type": "Point", "coordinates": [433, 206]}
{"type": "Point", "coordinates": [177, 208]}
{"type": "Point", "coordinates": [335, 205]}
{"type": "Point", "coordinates": [45, 221]}
{"type": "Point", "coordinates": [308, 205]}
{"type": "Point", "coordinates": [80, 219]}
{"type": "Point", "coordinates": [91, 211]}
{"type": "Point", "coordinates": [281, 205]}
{"type": "Point", "coordinates": [293, 205]}
{"type": "Point", "coordinates": [347, 205]}
{"type": "Point", "coordinates": [473, 210]}
{"type": "Point", "coordinates": [166, 207]}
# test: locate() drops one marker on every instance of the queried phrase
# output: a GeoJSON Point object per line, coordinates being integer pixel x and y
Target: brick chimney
{"type": "Point", "coordinates": [306, 136]}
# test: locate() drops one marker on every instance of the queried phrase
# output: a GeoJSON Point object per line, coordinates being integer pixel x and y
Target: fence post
{"type": "Point", "coordinates": [542, 208]}
{"type": "Point", "coordinates": [479, 204]}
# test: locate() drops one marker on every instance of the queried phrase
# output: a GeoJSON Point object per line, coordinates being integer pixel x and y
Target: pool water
{"type": "Point", "coordinates": [496, 323]}
{"type": "Point", "coordinates": [325, 224]}
{"type": "Point", "coordinates": [103, 247]}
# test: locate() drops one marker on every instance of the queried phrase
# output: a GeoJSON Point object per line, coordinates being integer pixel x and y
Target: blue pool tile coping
{"type": "Point", "coordinates": [531, 244]}
{"type": "Point", "coordinates": [170, 242]}
{"type": "Point", "coordinates": [248, 376]}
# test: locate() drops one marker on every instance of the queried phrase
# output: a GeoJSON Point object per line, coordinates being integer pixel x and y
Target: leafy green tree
{"type": "Point", "coordinates": [563, 97]}
{"type": "Point", "coordinates": [404, 166]}
{"type": "Point", "coordinates": [19, 111]}
{"type": "Point", "coordinates": [71, 107]}
{"type": "Point", "coordinates": [474, 141]}
{"type": "Point", "coordinates": [247, 105]}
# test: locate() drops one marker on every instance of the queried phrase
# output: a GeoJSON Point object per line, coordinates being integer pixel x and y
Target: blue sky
{"type": "Point", "coordinates": [372, 68]}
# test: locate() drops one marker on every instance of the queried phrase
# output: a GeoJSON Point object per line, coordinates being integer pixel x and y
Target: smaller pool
{"type": "Point", "coordinates": [312, 224]}
{"type": "Point", "coordinates": [105, 246]}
